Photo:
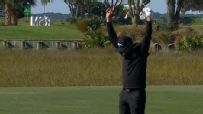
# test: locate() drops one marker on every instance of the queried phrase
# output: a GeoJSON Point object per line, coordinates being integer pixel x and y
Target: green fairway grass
{"type": "Point", "coordinates": [97, 100]}
{"type": "Point", "coordinates": [24, 31]}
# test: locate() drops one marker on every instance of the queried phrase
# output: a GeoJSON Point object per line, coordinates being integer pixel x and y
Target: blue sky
{"type": "Point", "coordinates": [58, 6]}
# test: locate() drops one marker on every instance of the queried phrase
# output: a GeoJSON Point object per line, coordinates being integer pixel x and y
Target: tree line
{"type": "Point", "coordinates": [89, 8]}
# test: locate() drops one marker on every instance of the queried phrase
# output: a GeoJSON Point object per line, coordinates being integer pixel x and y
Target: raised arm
{"type": "Point", "coordinates": [147, 39]}
{"type": "Point", "coordinates": [111, 32]}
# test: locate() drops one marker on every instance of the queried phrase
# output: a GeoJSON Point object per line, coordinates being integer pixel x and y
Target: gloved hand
{"type": "Point", "coordinates": [109, 14]}
{"type": "Point", "coordinates": [147, 11]}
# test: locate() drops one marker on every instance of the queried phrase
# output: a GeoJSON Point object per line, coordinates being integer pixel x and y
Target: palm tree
{"type": "Point", "coordinates": [13, 7]}
{"type": "Point", "coordinates": [45, 2]}
{"type": "Point", "coordinates": [10, 16]}
{"type": "Point", "coordinates": [6, 8]}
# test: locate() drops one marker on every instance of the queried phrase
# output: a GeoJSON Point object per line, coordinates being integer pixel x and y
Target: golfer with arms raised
{"type": "Point", "coordinates": [133, 94]}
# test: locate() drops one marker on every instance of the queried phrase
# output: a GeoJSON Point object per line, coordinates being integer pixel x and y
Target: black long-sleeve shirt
{"type": "Point", "coordinates": [134, 64]}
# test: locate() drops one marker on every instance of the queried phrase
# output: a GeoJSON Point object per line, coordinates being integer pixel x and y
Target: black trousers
{"type": "Point", "coordinates": [132, 101]}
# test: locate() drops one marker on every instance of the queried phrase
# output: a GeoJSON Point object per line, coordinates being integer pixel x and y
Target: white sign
{"type": "Point", "coordinates": [40, 21]}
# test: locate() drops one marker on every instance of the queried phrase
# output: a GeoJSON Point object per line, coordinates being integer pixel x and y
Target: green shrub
{"type": "Point", "coordinates": [186, 31]}
{"type": "Point", "coordinates": [161, 24]}
{"type": "Point", "coordinates": [178, 35]}
{"type": "Point", "coordinates": [135, 32]}
{"type": "Point", "coordinates": [1, 21]}
{"type": "Point", "coordinates": [161, 37]}
{"type": "Point", "coordinates": [190, 43]}
{"type": "Point", "coordinates": [71, 20]}
{"type": "Point", "coordinates": [82, 25]}
{"type": "Point", "coordinates": [95, 39]}
{"type": "Point", "coordinates": [94, 23]}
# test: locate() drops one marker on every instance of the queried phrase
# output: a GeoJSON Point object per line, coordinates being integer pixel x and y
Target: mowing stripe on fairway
{"type": "Point", "coordinates": [97, 100]}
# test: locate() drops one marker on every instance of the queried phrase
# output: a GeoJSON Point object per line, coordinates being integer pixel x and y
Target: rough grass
{"type": "Point", "coordinates": [176, 69]}
{"type": "Point", "coordinates": [98, 100]}
{"type": "Point", "coordinates": [59, 68]}
{"type": "Point", "coordinates": [94, 67]}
